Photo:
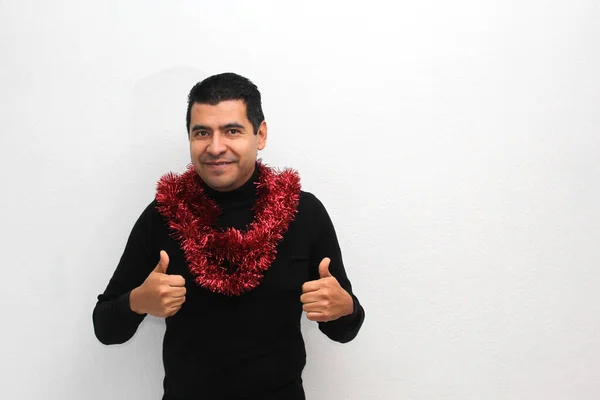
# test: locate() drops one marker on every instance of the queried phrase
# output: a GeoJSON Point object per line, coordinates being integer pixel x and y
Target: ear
{"type": "Point", "coordinates": [262, 135]}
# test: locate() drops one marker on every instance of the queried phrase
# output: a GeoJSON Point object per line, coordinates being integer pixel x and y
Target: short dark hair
{"type": "Point", "coordinates": [227, 86]}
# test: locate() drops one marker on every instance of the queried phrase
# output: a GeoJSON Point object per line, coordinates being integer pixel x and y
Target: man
{"type": "Point", "coordinates": [230, 253]}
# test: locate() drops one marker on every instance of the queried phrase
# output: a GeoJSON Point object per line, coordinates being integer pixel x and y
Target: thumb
{"type": "Point", "coordinates": [163, 263]}
{"type": "Point", "coordinates": [324, 268]}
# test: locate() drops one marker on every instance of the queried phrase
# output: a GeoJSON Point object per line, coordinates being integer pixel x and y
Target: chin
{"type": "Point", "coordinates": [219, 184]}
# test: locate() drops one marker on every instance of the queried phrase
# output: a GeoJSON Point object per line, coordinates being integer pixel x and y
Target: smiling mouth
{"type": "Point", "coordinates": [218, 164]}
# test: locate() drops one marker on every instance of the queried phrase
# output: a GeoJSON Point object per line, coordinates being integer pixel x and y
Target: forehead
{"type": "Point", "coordinates": [225, 111]}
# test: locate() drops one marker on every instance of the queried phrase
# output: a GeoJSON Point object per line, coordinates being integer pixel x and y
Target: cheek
{"type": "Point", "coordinates": [195, 148]}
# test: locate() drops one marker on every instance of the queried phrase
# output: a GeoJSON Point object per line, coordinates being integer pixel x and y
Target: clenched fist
{"type": "Point", "coordinates": [325, 299]}
{"type": "Point", "coordinates": [160, 295]}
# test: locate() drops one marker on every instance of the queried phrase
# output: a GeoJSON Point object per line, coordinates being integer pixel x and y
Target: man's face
{"type": "Point", "coordinates": [223, 146]}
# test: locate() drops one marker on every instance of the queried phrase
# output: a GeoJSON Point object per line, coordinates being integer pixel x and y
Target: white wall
{"type": "Point", "coordinates": [455, 145]}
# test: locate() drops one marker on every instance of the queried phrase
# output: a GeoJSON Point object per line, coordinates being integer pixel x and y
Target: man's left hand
{"type": "Point", "coordinates": [324, 299]}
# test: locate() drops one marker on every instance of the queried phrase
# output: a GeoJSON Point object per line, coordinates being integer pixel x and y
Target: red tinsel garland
{"type": "Point", "coordinates": [211, 252]}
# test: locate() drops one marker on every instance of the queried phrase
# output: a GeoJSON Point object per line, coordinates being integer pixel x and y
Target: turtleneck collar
{"type": "Point", "coordinates": [244, 193]}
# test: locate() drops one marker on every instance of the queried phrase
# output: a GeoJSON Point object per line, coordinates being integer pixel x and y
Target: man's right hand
{"type": "Point", "coordinates": [160, 295]}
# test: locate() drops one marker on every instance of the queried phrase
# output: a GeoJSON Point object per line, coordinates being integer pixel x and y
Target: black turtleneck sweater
{"type": "Point", "coordinates": [239, 347]}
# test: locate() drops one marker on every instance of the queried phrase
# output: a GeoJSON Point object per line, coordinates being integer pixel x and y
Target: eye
{"type": "Point", "coordinates": [233, 131]}
{"type": "Point", "coordinates": [200, 133]}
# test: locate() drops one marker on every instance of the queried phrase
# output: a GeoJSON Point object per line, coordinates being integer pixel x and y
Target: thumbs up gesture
{"type": "Point", "coordinates": [325, 299]}
{"type": "Point", "coordinates": [160, 295]}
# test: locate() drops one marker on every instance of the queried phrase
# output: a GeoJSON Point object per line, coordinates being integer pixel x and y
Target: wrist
{"type": "Point", "coordinates": [134, 303]}
{"type": "Point", "coordinates": [349, 305]}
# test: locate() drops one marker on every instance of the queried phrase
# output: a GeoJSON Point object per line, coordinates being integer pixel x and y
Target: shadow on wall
{"type": "Point", "coordinates": [159, 103]}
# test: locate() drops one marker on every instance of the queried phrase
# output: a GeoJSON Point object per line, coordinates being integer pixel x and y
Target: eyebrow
{"type": "Point", "coordinates": [232, 125]}
{"type": "Point", "coordinates": [223, 127]}
{"type": "Point", "coordinates": [200, 127]}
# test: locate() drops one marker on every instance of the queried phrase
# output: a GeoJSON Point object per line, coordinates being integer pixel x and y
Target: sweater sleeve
{"type": "Point", "coordinates": [326, 244]}
{"type": "Point", "coordinates": [114, 321]}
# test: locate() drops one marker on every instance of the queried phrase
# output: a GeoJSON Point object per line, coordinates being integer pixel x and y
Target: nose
{"type": "Point", "coordinates": [216, 146]}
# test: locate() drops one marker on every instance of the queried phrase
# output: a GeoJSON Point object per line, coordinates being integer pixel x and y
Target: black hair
{"type": "Point", "coordinates": [227, 86]}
